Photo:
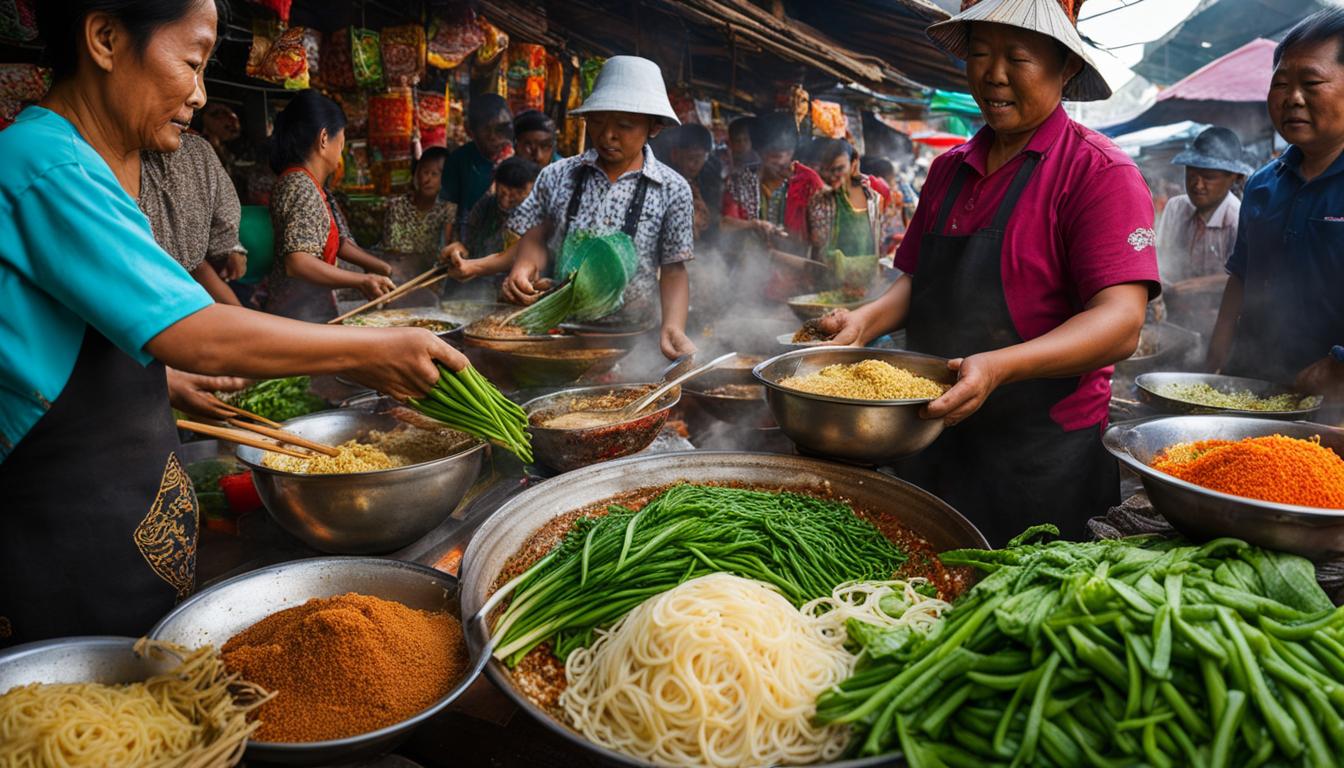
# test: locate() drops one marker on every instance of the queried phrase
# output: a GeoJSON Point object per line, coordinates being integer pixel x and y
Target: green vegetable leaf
{"type": "Point", "coordinates": [1289, 579]}
{"type": "Point", "coordinates": [881, 643]}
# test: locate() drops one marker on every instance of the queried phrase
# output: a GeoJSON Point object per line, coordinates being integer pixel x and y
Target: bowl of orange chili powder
{"type": "Point", "coordinates": [359, 651]}
{"type": "Point", "coordinates": [1272, 483]}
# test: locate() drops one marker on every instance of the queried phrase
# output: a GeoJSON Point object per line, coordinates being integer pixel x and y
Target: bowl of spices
{"type": "Point", "coordinates": [855, 403]}
{"type": "Point", "coordinates": [1196, 393]}
{"type": "Point", "coordinates": [576, 427]}
{"type": "Point", "coordinates": [1276, 484]}
{"type": "Point", "coordinates": [359, 651]}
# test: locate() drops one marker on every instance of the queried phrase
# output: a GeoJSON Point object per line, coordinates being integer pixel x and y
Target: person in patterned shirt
{"type": "Point", "coordinates": [617, 186]}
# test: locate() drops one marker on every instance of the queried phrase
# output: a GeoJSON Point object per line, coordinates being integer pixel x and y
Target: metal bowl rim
{"type": "Point", "coordinates": [806, 300]}
{"type": "Point", "coordinates": [760, 376]}
{"type": "Point", "coordinates": [1112, 439]}
{"type": "Point", "coordinates": [494, 670]}
{"type": "Point", "coordinates": [36, 646]}
{"type": "Point", "coordinates": [580, 391]}
{"type": "Point", "coordinates": [1139, 382]}
{"type": "Point", "coordinates": [786, 340]}
{"type": "Point", "coordinates": [284, 747]}
{"type": "Point", "coordinates": [476, 444]}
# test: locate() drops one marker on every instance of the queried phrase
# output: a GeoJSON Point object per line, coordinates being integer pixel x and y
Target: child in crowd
{"type": "Point", "coordinates": [468, 171]}
{"type": "Point", "coordinates": [534, 137]}
{"type": "Point", "coordinates": [487, 233]}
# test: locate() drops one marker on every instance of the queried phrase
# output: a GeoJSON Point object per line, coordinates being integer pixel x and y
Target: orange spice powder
{"type": "Point", "coordinates": [346, 665]}
{"type": "Point", "coordinates": [1280, 469]}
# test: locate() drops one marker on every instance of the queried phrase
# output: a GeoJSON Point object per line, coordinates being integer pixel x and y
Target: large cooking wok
{"type": "Point", "coordinates": [509, 528]}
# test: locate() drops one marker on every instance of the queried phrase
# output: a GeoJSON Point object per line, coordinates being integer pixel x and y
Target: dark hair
{"type": "Point", "coordinates": [61, 23]}
{"type": "Point", "coordinates": [483, 108]}
{"type": "Point", "coordinates": [1316, 28]}
{"type": "Point", "coordinates": [828, 149]}
{"type": "Point", "coordinates": [870, 165]}
{"type": "Point", "coordinates": [298, 126]}
{"type": "Point", "coordinates": [429, 156]}
{"type": "Point", "coordinates": [740, 125]}
{"type": "Point", "coordinates": [807, 151]}
{"type": "Point", "coordinates": [774, 131]}
{"type": "Point", "coordinates": [516, 172]}
{"type": "Point", "coordinates": [692, 136]}
{"type": "Point", "coordinates": [532, 121]}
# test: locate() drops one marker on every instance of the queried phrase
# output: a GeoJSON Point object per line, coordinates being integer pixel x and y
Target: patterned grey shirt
{"type": "Point", "coordinates": [190, 202]}
{"type": "Point", "coordinates": [665, 234]}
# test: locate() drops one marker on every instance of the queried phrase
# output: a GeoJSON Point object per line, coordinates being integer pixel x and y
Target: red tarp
{"type": "Point", "coordinates": [1242, 75]}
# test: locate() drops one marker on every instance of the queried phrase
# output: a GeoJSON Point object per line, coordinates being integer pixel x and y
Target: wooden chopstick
{"type": "Point", "coordinates": [396, 293]}
{"type": "Point", "coordinates": [286, 437]}
{"type": "Point", "coordinates": [238, 436]}
{"type": "Point", "coordinates": [231, 408]}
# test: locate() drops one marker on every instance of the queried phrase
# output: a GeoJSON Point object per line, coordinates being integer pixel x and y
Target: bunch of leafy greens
{"type": "Point", "coordinates": [278, 399]}
{"type": "Point", "coordinates": [597, 267]}
{"type": "Point", "coordinates": [1127, 652]}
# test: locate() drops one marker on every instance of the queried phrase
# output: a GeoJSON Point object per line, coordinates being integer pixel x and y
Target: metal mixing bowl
{"type": "Point", "coordinates": [366, 512]}
{"type": "Point", "coordinates": [867, 431]}
{"type": "Point", "coordinates": [567, 449]}
{"type": "Point", "coordinates": [814, 305]}
{"type": "Point", "coordinates": [706, 393]}
{"type": "Point", "coordinates": [501, 537]}
{"type": "Point", "coordinates": [1204, 514]}
{"type": "Point", "coordinates": [90, 659]}
{"type": "Point", "coordinates": [215, 615]}
{"type": "Point", "coordinates": [1150, 385]}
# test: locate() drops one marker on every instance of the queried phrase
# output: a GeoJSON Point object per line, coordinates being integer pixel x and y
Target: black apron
{"type": "Point", "coordinates": [98, 532]}
{"type": "Point", "coordinates": [1009, 465]}
{"type": "Point", "coordinates": [635, 313]}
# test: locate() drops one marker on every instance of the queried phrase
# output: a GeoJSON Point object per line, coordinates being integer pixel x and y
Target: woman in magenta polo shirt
{"type": "Point", "coordinates": [1029, 263]}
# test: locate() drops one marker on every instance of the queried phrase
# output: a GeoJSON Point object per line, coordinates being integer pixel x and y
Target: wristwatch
{"type": "Point", "coordinates": [1337, 352]}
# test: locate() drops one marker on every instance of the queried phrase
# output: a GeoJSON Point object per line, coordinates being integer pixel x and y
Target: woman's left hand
{"type": "Point", "coordinates": [1323, 377]}
{"type": "Point", "coordinates": [675, 343]}
{"type": "Point", "coordinates": [380, 267]}
{"type": "Point", "coordinates": [977, 376]}
{"type": "Point", "coordinates": [195, 394]}
{"type": "Point", "coordinates": [233, 267]}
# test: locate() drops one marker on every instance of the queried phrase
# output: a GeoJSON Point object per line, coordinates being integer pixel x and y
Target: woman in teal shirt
{"type": "Point", "coordinates": [98, 532]}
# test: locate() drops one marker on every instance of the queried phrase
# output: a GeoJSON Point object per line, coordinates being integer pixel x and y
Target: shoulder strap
{"type": "Point", "coordinates": [636, 208]}
{"type": "Point", "coordinates": [1014, 192]}
{"type": "Point", "coordinates": [950, 199]}
{"type": "Point", "coordinates": [581, 174]}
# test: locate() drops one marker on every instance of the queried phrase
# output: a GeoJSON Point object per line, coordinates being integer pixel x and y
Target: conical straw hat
{"type": "Point", "coordinates": [1047, 17]}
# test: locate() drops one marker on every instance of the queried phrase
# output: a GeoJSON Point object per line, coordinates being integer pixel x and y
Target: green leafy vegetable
{"type": "Point", "coordinates": [596, 283]}
{"type": "Point", "coordinates": [467, 402]}
{"type": "Point", "coordinates": [607, 565]}
{"type": "Point", "coordinates": [1134, 652]}
{"type": "Point", "coordinates": [278, 399]}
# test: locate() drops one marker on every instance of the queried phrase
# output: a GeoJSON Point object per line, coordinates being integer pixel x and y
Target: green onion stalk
{"type": "Point", "coordinates": [467, 402]}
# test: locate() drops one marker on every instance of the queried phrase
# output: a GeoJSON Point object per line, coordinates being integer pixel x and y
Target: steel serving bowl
{"type": "Point", "coordinates": [90, 659]}
{"type": "Point", "coordinates": [1161, 345]}
{"type": "Point", "coordinates": [510, 527]}
{"type": "Point", "coordinates": [1203, 514]}
{"type": "Point", "coordinates": [365, 512]}
{"type": "Point", "coordinates": [215, 615]}
{"type": "Point", "coordinates": [813, 305]}
{"type": "Point", "coordinates": [867, 431]}
{"type": "Point", "coordinates": [707, 392]}
{"type": "Point", "coordinates": [1150, 385]}
{"type": "Point", "coordinates": [567, 449]}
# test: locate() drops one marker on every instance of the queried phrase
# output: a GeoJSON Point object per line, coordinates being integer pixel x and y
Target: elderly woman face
{"type": "Point", "coordinates": [1016, 76]}
{"type": "Point", "coordinates": [153, 90]}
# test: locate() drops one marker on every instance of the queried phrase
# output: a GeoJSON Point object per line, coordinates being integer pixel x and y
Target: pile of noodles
{"type": "Point", "coordinates": [193, 716]}
{"type": "Point", "coordinates": [724, 671]}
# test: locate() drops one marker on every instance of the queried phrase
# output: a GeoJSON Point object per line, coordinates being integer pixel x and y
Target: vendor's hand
{"type": "Point", "coordinates": [195, 394]}
{"type": "Point", "coordinates": [380, 267]}
{"type": "Point", "coordinates": [453, 258]}
{"type": "Point", "coordinates": [373, 286]}
{"type": "Point", "coordinates": [400, 362]}
{"type": "Point", "coordinates": [1323, 377]}
{"type": "Point", "coordinates": [768, 229]}
{"type": "Point", "coordinates": [232, 267]}
{"type": "Point", "coordinates": [523, 285]}
{"type": "Point", "coordinates": [675, 343]}
{"type": "Point", "coordinates": [977, 377]}
{"type": "Point", "coordinates": [844, 327]}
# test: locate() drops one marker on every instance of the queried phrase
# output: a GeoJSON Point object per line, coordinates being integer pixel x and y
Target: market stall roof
{"type": "Point", "coordinates": [939, 139]}
{"type": "Point", "coordinates": [1230, 92]}
{"type": "Point", "coordinates": [1215, 28]}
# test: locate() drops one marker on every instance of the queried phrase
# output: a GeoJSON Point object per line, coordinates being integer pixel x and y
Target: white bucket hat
{"type": "Point", "coordinates": [1044, 16]}
{"type": "Point", "coordinates": [630, 84]}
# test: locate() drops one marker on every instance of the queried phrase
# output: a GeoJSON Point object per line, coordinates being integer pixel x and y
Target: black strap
{"type": "Point", "coordinates": [633, 212]}
{"type": "Point", "coordinates": [1010, 198]}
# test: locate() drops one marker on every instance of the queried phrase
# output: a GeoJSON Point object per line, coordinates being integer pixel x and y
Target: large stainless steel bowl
{"type": "Point", "coordinates": [1201, 513]}
{"type": "Point", "coordinates": [215, 615]}
{"type": "Point", "coordinates": [867, 431]}
{"type": "Point", "coordinates": [567, 449]}
{"type": "Point", "coordinates": [813, 305]}
{"type": "Point", "coordinates": [366, 512]}
{"type": "Point", "coordinates": [500, 537]}
{"type": "Point", "coordinates": [90, 659]}
{"type": "Point", "coordinates": [1150, 392]}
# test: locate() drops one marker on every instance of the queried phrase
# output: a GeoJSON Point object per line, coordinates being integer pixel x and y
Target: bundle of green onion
{"type": "Point", "coordinates": [466, 401]}
{"type": "Point", "coordinates": [607, 565]}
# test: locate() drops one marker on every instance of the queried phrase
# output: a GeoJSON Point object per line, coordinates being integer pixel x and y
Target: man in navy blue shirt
{"type": "Point", "coordinates": [469, 170]}
{"type": "Point", "coordinates": [1282, 316]}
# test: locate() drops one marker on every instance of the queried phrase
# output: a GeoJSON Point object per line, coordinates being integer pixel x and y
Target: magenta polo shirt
{"type": "Point", "coordinates": [1084, 223]}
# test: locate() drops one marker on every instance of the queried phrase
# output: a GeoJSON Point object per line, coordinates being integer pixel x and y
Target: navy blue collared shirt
{"type": "Point", "coordinates": [1290, 255]}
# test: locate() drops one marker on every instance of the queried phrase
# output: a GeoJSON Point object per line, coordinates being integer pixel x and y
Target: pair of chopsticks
{"type": "Point", "coordinates": [244, 434]}
{"type": "Point", "coordinates": [425, 279]}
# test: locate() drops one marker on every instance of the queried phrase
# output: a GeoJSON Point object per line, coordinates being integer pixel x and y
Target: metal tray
{"type": "Point", "coordinates": [1149, 384]}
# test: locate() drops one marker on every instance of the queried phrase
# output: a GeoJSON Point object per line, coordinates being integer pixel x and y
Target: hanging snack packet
{"type": "Point", "coordinates": [337, 69]}
{"type": "Point", "coordinates": [404, 53]}
{"type": "Point", "coordinates": [286, 61]}
{"type": "Point", "coordinates": [453, 39]}
{"type": "Point", "coordinates": [366, 57]}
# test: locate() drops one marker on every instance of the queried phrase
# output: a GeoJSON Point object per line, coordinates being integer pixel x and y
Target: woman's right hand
{"type": "Point", "coordinates": [844, 327]}
{"type": "Point", "coordinates": [521, 286]}
{"type": "Point", "coordinates": [402, 362]}
{"type": "Point", "coordinates": [373, 286]}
